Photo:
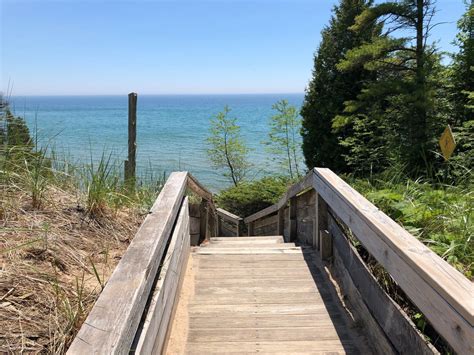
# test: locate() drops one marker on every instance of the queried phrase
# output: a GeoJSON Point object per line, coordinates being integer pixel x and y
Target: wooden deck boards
{"type": "Point", "coordinates": [256, 300]}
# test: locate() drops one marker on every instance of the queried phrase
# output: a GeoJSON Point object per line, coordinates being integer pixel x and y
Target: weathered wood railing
{"type": "Point", "coordinates": [227, 222]}
{"type": "Point", "coordinates": [134, 311]}
{"type": "Point", "coordinates": [313, 211]}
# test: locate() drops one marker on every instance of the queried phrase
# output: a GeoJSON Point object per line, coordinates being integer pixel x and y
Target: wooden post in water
{"type": "Point", "coordinates": [130, 164]}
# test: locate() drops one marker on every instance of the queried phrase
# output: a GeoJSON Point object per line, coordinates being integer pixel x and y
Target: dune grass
{"type": "Point", "coordinates": [63, 229]}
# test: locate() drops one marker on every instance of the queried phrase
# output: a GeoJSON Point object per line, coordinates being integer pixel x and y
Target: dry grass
{"type": "Point", "coordinates": [54, 262]}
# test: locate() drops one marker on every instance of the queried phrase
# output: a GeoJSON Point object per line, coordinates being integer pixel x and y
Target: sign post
{"type": "Point", "coordinates": [447, 144]}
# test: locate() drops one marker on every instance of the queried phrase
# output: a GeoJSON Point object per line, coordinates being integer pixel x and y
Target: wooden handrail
{"type": "Point", "coordinates": [113, 321]}
{"type": "Point", "coordinates": [442, 293]}
{"type": "Point", "coordinates": [111, 325]}
{"type": "Point", "coordinates": [295, 189]}
{"type": "Point", "coordinates": [228, 216]}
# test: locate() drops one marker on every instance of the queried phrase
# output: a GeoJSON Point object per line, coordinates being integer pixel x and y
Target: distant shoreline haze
{"type": "Point", "coordinates": [172, 129]}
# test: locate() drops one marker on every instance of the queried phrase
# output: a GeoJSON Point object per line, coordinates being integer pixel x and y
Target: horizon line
{"type": "Point", "coordinates": [161, 94]}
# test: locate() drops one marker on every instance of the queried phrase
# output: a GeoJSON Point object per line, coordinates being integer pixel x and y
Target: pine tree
{"type": "Point", "coordinates": [329, 88]}
{"type": "Point", "coordinates": [462, 69]}
{"type": "Point", "coordinates": [406, 69]}
{"type": "Point", "coordinates": [462, 93]}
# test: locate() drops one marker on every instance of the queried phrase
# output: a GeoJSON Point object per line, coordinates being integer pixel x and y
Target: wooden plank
{"type": "Point", "coordinates": [262, 321]}
{"type": "Point", "coordinates": [112, 323]}
{"type": "Point", "coordinates": [400, 330]}
{"type": "Point", "coordinates": [198, 189]}
{"type": "Point", "coordinates": [438, 290]}
{"type": "Point", "coordinates": [281, 221]}
{"type": "Point", "coordinates": [251, 258]}
{"type": "Point", "coordinates": [158, 316]}
{"type": "Point", "coordinates": [261, 272]}
{"type": "Point", "coordinates": [164, 330]}
{"type": "Point", "coordinates": [292, 219]}
{"type": "Point", "coordinates": [251, 229]}
{"type": "Point", "coordinates": [237, 251]}
{"type": "Point", "coordinates": [255, 282]}
{"type": "Point", "coordinates": [227, 215]}
{"type": "Point", "coordinates": [299, 187]}
{"type": "Point", "coordinates": [273, 238]}
{"type": "Point", "coordinates": [246, 264]}
{"type": "Point", "coordinates": [251, 309]}
{"type": "Point", "coordinates": [266, 221]}
{"type": "Point", "coordinates": [249, 245]}
{"type": "Point", "coordinates": [261, 334]}
{"type": "Point", "coordinates": [325, 245]}
{"type": "Point", "coordinates": [321, 220]}
{"type": "Point", "coordinates": [258, 298]}
{"type": "Point", "coordinates": [286, 347]}
{"type": "Point", "coordinates": [260, 288]}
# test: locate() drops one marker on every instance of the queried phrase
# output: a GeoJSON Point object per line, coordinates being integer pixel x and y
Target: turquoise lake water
{"type": "Point", "coordinates": [171, 132]}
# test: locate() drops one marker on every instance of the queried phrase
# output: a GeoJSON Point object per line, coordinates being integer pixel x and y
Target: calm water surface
{"type": "Point", "coordinates": [171, 135]}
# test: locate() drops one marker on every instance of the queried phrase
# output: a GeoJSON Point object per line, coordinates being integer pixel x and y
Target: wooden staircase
{"type": "Point", "coordinates": [261, 295]}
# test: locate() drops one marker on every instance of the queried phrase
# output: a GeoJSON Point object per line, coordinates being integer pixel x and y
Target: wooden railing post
{"type": "Point", "coordinates": [321, 220]}
{"type": "Point", "coordinates": [130, 164]}
{"type": "Point", "coordinates": [325, 245]}
{"type": "Point", "coordinates": [219, 226]}
{"type": "Point", "coordinates": [203, 217]}
{"type": "Point", "coordinates": [281, 221]}
{"type": "Point", "coordinates": [251, 228]}
{"type": "Point", "coordinates": [292, 219]}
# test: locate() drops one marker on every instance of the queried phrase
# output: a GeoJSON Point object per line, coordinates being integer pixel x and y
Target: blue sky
{"type": "Point", "coordinates": [168, 47]}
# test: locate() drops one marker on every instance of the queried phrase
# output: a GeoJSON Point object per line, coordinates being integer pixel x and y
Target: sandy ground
{"type": "Point", "coordinates": [179, 330]}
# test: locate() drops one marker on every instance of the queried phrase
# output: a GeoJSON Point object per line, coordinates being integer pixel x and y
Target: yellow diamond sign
{"type": "Point", "coordinates": [447, 143]}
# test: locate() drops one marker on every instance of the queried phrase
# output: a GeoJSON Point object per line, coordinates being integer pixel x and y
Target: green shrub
{"type": "Point", "coordinates": [440, 216]}
{"type": "Point", "coordinates": [250, 197]}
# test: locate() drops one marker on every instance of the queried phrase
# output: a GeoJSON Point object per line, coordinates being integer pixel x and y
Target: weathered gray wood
{"type": "Point", "coordinates": [399, 329]}
{"type": "Point", "coordinates": [261, 239]}
{"type": "Point", "coordinates": [281, 221]}
{"type": "Point", "coordinates": [203, 212]}
{"type": "Point", "coordinates": [266, 221]}
{"type": "Point", "coordinates": [263, 321]}
{"type": "Point", "coordinates": [321, 222]}
{"type": "Point", "coordinates": [227, 215]}
{"type": "Point", "coordinates": [112, 323]}
{"type": "Point", "coordinates": [267, 347]}
{"type": "Point", "coordinates": [130, 164]}
{"type": "Point", "coordinates": [158, 318]}
{"type": "Point", "coordinates": [442, 293]}
{"type": "Point", "coordinates": [292, 219]}
{"type": "Point", "coordinates": [325, 247]}
{"type": "Point", "coordinates": [304, 184]}
{"type": "Point", "coordinates": [287, 309]}
{"type": "Point", "coordinates": [251, 229]}
{"type": "Point", "coordinates": [262, 334]}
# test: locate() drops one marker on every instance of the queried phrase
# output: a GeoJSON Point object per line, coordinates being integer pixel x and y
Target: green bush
{"type": "Point", "coordinates": [250, 197]}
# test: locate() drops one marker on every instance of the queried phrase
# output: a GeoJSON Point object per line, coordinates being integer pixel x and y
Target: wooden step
{"type": "Point", "coordinates": [250, 245]}
{"type": "Point", "coordinates": [275, 238]}
{"type": "Point", "coordinates": [247, 251]}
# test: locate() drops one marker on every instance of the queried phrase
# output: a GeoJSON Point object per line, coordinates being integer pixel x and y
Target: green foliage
{"type": "Point", "coordinates": [227, 150]}
{"type": "Point", "coordinates": [439, 216]}
{"type": "Point", "coordinates": [400, 109]}
{"type": "Point", "coordinates": [461, 94]}
{"type": "Point", "coordinates": [250, 197]}
{"type": "Point", "coordinates": [329, 88]}
{"type": "Point", "coordinates": [283, 138]}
